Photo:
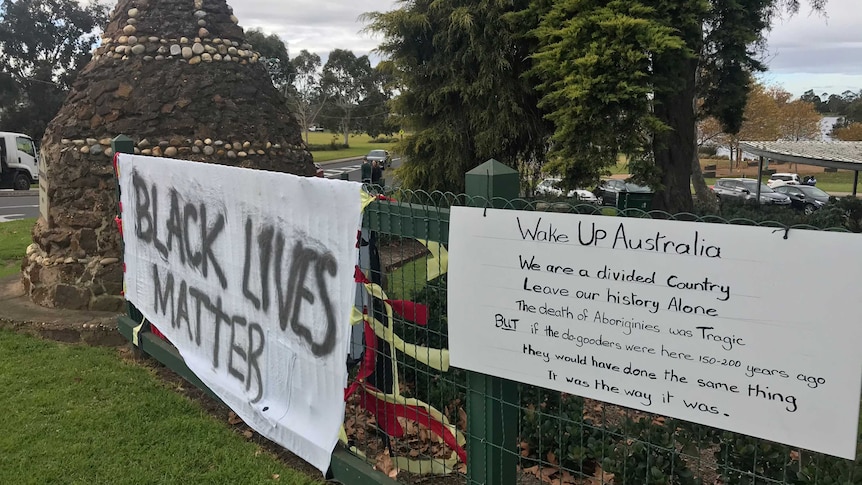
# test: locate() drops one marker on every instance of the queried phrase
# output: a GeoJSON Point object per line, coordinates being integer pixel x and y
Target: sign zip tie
{"type": "Point", "coordinates": [786, 231]}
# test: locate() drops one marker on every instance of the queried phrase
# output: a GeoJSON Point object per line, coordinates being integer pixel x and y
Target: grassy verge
{"type": "Point", "coordinates": [14, 239]}
{"type": "Point", "coordinates": [408, 279]}
{"type": "Point", "coordinates": [359, 145]}
{"type": "Point", "coordinates": [75, 414]}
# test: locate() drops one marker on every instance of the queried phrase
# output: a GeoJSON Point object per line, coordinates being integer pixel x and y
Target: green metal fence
{"type": "Point", "coordinates": [411, 419]}
{"type": "Point", "coordinates": [523, 434]}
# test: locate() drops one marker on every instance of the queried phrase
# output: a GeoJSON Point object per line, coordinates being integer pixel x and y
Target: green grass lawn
{"type": "Point", "coordinates": [83, 415]}
{"type": "Point", "coordinates": [14, 239]}
{"type": "Point", "coordinates": [408, 279]}
{"type": "Point", "coordinates": [359, 145]}
{"type": "Point", "coordinates": [76, 414]}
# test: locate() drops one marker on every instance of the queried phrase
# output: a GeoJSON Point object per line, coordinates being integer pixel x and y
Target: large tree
{"type": "Point", "coordinates": [459, 66]}
{"type": "Point", "coordinates": [43, 44]}
{"type": "Point", "coordinates": [274, 55]}
{"type": "Point", "coordinates": [307, 99]}
{"type": "Point", "coordinates": [613, 76]}
{"type": "Point", "coordinates": [624, 75]}
{"type": "Point", "coordinates": [346, 81]}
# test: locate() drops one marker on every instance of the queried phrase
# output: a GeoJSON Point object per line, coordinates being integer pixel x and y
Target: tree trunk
{"type": "Point", "coordinates": [675, 149]}
{"type": "Point", "coordinates": [704, 196]}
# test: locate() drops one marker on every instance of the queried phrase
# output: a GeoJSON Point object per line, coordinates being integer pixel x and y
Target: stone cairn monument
{"type": "Point", "coordinates": [179, 79]}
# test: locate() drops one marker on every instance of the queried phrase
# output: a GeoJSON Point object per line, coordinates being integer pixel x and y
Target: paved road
{"type": "Point", "coordinates": [334, 170]}
{"type": "Point", "coordinates": [18, 205]}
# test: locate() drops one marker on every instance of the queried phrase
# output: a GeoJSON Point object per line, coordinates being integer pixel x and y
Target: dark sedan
{"type": "Point", "coordinates": [806, 198]}
{"type": "Point", "coordinates": [609, 190]}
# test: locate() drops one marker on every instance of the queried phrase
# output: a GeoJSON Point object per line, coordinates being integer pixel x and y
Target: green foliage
{"type": "Point", "coordinates": [595, 71]}
{"type": "Point", "coordinates": [274, 56]}
{"type": "Point", "coordinates": [384, 139]}
{"type": "Point", "coordinates": [346, 81]}
{"type": "Point", "coordinates": [553, 423]}
{"type": "Point", "coordinates": [646, 454]}
{"type": "Point", "coordinates": [305, 90]}
{"type": "Point", "coordinates": [78, 414]}
{"type": "Point", "coordinates": [43, 45]}
{"type": "Point", "coordinates": [619, 76]}
{"type": "Point", "coordinates": [845, 212]}
{"type": "Point", "coordinates": [330, 146]}
{"type": "Point", "coordinates": [463, 98]}
{"type": "Point", "coordinates": [741, 459]}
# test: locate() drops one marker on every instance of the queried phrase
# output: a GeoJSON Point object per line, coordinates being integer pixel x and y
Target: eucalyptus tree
{"type": "Point", "coordinates": [274, 55]}
{"type": "Point", "coordinates": [346, 81]}
{"type": "Point", "coordinates": [306, 101]}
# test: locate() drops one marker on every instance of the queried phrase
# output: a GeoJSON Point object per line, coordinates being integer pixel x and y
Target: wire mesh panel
{"type": "Point", "coordinates": [417, 420]}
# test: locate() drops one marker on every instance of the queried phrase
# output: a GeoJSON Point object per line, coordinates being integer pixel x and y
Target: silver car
{"type": "Point", "coordinates": [381, 156]}
{"type": "Point", "coordinates": [746, 189]}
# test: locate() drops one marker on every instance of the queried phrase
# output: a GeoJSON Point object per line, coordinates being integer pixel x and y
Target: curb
{"type": "Point", "coordinates": [18, 193]}
{"type": "Point", "coordinates": [18, 313]}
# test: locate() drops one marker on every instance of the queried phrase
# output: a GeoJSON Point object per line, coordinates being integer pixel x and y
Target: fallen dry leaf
{"type": "Point", "coordinates": [547, 473]}
{"type": "Point", "coordinates": [600, 477]}
{"type": "Point", "coordinates": [552, 458]}
{"type": "Point", "coordinates": [384, 463]}
{"type": "Point", "coordinates": [233, 419]}
{"type": "Point", "coordinates": [276, 476]}
{"type": "Point", "coordinates": [248, 434]}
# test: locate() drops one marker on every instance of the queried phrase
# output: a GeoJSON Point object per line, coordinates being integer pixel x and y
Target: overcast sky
{"type": "Point", "coordinates": [806, 51]}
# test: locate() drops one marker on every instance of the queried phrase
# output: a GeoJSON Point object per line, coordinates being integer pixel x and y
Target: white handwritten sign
{"type": "Point", "coordinates": [734, 327]}
{"type": "Point", "coordinates": [250, 275]}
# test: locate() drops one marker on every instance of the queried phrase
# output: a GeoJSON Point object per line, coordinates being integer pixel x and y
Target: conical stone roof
{"type": "Point", "coordinates": [179, 79]}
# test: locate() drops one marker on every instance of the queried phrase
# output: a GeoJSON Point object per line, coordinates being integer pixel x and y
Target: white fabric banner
{"type": "Point", "coordinates": [249, 274]}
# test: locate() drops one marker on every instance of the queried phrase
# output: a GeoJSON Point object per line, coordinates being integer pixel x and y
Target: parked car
{"type": "Point", "coordinates": [315, 128]}
{"type": "Point", "coordinates": [609, 190]}
{"type": "Point", "coordinates": [550, 186]}
{"type": "Point", "coordinates": [781, 178]}
{"type": "Point", "coordinates": [318, 170]}
{"type": "Point", "coordinates": [382, 157]}
{"type": "Point", "coordinates": [746, 189]}
{"type": "Point", "coordinates": [806, 198]}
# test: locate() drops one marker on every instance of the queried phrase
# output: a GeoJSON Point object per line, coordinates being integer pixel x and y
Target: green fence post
{"type": "Point", "coordinates": [122, 144]}
{"type": "Point", "coordinates": [492, 413]}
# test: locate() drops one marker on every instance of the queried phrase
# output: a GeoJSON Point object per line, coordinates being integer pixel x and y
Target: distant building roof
{"type": "Point", "coordinates": [846, 155]}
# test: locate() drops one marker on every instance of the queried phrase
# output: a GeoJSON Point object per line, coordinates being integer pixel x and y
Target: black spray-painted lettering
{"type": "Point", "coordinates": [143, 203]}
{"type": "Point", "coordinates": [264, 243]}
{"type": "Point", "coordinates": [178, 227]}
{"type": "Point", "coordinates": [290, 301]}
{"type": "Point", "coordinates": [267, 260]}
{"type": "Point", "coordinates": [246, 340]}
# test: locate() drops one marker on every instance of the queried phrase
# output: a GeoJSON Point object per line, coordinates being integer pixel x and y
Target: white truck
{"type": "Point", "coordinates": [19, 164]}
